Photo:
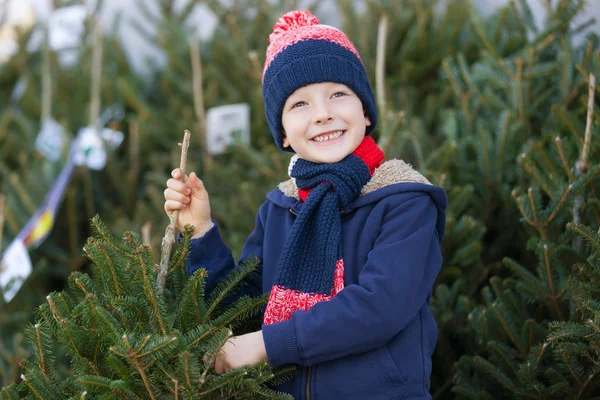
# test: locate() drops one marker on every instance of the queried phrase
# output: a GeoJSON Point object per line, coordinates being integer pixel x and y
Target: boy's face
{"type": "Point", "coordinates": [324, 122]}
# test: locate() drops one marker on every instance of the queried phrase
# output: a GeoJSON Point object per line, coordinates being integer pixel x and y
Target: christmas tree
{"type": "Point", "coordinates": [126, 339]}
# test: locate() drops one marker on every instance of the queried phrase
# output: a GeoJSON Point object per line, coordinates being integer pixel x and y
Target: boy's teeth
{"type": "Point", "coordinates": [331, 136]}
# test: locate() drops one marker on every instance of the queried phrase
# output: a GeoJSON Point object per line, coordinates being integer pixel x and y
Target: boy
{"type": "Point", "coordinates": [350, 247]}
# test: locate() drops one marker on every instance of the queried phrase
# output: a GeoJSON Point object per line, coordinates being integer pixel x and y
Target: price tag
{"type": "Point", "coordinates": [50, 140]}
{"type": "Point", "coordinates": [226, 124]}
{"type": "Point", "coordinates": [90, 147]}
{"type": "Point", "coordinates": [65, 33]}
{"type": "Point", "coordinates": [15, 268]}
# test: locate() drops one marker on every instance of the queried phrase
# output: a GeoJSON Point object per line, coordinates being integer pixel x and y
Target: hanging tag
{"type": "Point", "coordinates": [90, 147]}
{"type": "Point", "coordinates": [50, 140]}
{"type": "Point", "coordinates": [15, 268]}
{"type": "Point", "coordinates": [65, 33]}
{"type": "Point", "coordinates": [89, 150]}
{"type": "Point", "coordinates": [225, 125]}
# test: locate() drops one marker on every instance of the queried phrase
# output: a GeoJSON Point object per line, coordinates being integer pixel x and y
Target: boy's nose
{"type": "Point", "coordinates": [322, 115]}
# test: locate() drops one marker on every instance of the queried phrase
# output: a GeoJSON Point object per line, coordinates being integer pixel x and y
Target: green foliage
{"type": "Point", "coordinates": [126, 340]}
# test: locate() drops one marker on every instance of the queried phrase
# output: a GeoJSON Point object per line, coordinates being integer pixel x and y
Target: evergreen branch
{"type": "Point", "coordinates": [193, 293]}
{"type": "Point", "coordinates": [507, 328]}
{"type": "Point", "coordinates": [40, 349]}
{"type": "Point", "coordinates": [569, 122]}
{"type": "Point", "coordinates": [541, 229]}
{"type": "Point", "coordinates": [541, 354]}
{"type": "Point", "coordinates": [485, 154]}
{"type": "Point", "coordinates": [225, 379]}
{"type": "Point", "coordinates": [504, 122]}
{"type": "Point", "coordinates": [523, 273]}
{"type": "Point", "coordinates": [495, 372]}
{"type": "Point", "coordinates": [133, 359]}
{"type": "Point", "coordinates": [183, 250]}
{"type": "Point", "coordinates": [541, 151]}
{"type": "Point", "coordinates": [109, 320]}
{"type": "Point", "coordinates": [519, 81]}
{"type": "Point", "coordinates": [588, 234]}
{"type": "Point", "coordinates": [522, 208]}
{"type": "Point", "coordinates": [559, 206]}
{"type": "Point", "coordinates": [466, 75]}
{"type": "Point", "coordinates": [451, 77]}
{"type": "Point", "coordinates": [31, 387]}
{"type": "Point", "coordinates": [63, 323]}
{"type": "Point", "coordinates": [585, 385]}
{"type": "Point", "coordinates": [9, 393]}
{"type": "Point", "coordinates": [243, 309]}
{"type": "Point", "coordinates": [245, 268]}
{"type": "Point", "coordinates": [169, 237]}
{"type": "Point", "coordinates": [567, 363]}
{"type": "Point", "coordinates": [107, 237]}
{"type": "Point", "coordinates": [149, 291]}
{"type": "Point", "coordinates": [156, 348]}
{"type": "Point", "coordinates": [553, 295]}
{"type": "Point", "coordinates": [113, 272]}
{"type": "Point", "coordinates": [94, 380]}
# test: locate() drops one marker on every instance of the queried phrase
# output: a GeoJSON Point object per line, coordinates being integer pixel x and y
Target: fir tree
{"type": "Point", "coordinates": [127, 340]}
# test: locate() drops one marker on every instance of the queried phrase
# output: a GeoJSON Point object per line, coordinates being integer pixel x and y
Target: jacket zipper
{"type": "Point", "coordinates": [293, 212]}
{"type": "Point", "coordinates": [308, 383]}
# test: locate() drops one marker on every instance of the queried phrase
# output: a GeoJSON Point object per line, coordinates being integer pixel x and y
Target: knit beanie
{"type": "Point", "coordinates": [302, 52]}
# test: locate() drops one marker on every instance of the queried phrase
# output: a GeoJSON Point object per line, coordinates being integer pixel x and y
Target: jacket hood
{"type": "Point", "coordinates": [392, 177]}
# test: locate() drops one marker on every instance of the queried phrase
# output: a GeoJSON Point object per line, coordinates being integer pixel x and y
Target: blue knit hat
{"type": "Point", "coordinates": [302, 52]}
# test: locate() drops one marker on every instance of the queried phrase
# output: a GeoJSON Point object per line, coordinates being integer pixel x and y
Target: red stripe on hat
{"type": "Point", "coordinates": [312, 32]}
{"type": "Point", "coordinates": [283, 302]}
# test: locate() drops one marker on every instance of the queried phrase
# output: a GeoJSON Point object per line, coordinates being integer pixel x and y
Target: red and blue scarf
{"type": "Point", "coordinates": [311, 267]}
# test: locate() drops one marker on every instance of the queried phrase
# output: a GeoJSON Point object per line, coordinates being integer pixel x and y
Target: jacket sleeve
{"type": "Point", "coordinates": [211, 253]}
{"type": "Point", "coordinates": [394, 284]}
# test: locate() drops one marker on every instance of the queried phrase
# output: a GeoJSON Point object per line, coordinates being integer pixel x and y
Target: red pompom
{"type": "Point", "coordinates": [292, 20]}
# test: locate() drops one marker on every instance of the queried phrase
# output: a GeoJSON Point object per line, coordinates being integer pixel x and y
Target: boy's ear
{"type": "Point", "coordinates": [286, 142]}
{"type": "Point", "coordinates": [367, 119]}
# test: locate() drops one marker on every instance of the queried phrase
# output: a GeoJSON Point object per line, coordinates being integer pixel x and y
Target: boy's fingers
{"type": "Point", "coordinates": [196, 182]}
{"type": "Point", "coordinates": [172, 205]}
{"type": "Point", "coordinates": [178, 186]}
{"type": "Point", "coordinates": [171, 194]}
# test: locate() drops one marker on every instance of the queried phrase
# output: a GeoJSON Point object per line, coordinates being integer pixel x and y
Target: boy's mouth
{"type": "Point", "coordinates": [328, 136]}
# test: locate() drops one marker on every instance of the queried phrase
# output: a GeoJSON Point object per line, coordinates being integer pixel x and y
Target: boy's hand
{"type": "Point", "coordinates": [189, 196]}
{"type": "Point", "coordinates": [248, 349]}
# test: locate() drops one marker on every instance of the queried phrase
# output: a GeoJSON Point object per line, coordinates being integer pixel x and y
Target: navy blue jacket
{"type": "Point", "coordinates": [374, 339]}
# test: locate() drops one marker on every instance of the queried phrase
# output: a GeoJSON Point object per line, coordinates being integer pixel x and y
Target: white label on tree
{"type": "Point", "coordinates": [89, 150]}
{"type": "Point", "coordinates": [66, 27]}
{"type": "Point", "coordinates": [65, 33]}
{"type": "Point", "coordinates": [90, 147]}
{"type": "Point", "coordinates": [225, 125]}
{"type": "Point", "coordinates": [14, 269]}
{"type": "Point", "coordinates": [50, 140]}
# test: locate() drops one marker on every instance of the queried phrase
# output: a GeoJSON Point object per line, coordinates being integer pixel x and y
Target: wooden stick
{"type": "Point", "coordinates": [46, 80]}
{"type": "Point", "coordinates": [380, 67]}
{"type": "Point", "coordinates": [588, 125]}
{"type": "Point", "coordinates": [198, 96]}
{"type": "Point", "coordinates": [169, 238]}
{"type": "Point", "coordinates": [96, 79]}
{"type": "Point", "coordinates": [2, 198]}
{"type": "Point", "coordinates": [582, 165]}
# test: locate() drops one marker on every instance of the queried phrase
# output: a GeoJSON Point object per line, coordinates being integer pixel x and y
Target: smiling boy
{"type": "Point", "coordinates": [350, 246]}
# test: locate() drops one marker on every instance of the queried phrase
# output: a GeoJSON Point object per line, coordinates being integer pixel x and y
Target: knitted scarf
{"type": "Point", "coordinates": [311, 268]}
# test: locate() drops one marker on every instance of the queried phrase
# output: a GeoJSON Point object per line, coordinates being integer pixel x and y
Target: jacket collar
{"type": "Point", "coordinates": [389, 173]}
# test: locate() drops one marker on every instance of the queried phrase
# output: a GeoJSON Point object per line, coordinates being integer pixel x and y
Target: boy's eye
{"type": "Point", "coordinates": [339, 94]}
{"type": "Point", "coordinates": [298, 104]}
